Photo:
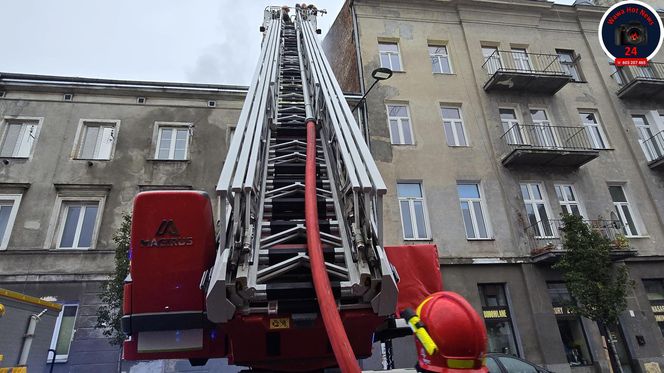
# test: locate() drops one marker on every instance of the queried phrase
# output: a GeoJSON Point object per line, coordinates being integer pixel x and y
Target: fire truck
{"type": "Point", "coordinates": [293, 275]}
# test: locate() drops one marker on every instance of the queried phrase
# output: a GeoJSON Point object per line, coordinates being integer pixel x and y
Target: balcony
{"type": "Point", "coordinates": [654, 149]}
{"type": "Point", "coordinates": [641, 82]}
{"type": "Point", "coordinates": [546, 239]}
{"type": "Point", "coordinates": [525, 72]}
{"type": "Point", "coordinates": [546, 145]}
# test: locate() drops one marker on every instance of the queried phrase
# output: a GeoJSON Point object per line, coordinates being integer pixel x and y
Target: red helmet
{"type": "Point", "coordinates": [457, 331]}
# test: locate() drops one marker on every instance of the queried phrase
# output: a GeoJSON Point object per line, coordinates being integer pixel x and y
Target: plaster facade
{"type": "Point", "coordinates": [464, 27]}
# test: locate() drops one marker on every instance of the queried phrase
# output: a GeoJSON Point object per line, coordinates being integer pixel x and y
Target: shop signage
{"type": "Point", "coordinates": [492, 313]}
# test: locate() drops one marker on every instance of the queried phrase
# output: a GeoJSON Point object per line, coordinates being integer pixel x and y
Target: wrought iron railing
{"type": "Point", "coordinates": [546, 136]}
{"type": "Point", "coordinates": [546, 235]}
{"type": "Point", "coordinates": [627, 74]}
{"type": "Point", "coordinates": [654, 147]}
{"type": "Point", "coordinates": [524, 62]}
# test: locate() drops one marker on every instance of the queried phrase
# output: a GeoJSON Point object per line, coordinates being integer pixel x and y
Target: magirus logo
{"type": "Point", "coordinates": [167, 228]}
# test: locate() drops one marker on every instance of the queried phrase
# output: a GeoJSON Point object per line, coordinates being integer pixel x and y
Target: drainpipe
{"type": "Point", "coordinates": [363, 115]}
{"type": "Point", "coordinates": [29, 336]}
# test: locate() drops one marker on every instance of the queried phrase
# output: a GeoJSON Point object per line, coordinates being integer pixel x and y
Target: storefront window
{"type": "Point", "coordinates": [655, 292]}
{"type": "Point", "coordinates": [570, 326]}
{"type": "Point", "coordinates": [497, 319]}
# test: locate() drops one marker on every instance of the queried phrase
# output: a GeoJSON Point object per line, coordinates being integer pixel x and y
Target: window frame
{"type": "Point", "coordinates": [56, 333]}
{"type": "Point", "coordinates": [471, 201]}
{"type": "Point", "coordinates": [454, 127]}
{"type": "Point", "coordinates": [176, 126]}
{"type": "Point", "coordinates": [438, 58]}
{"type": "Point", "coordinates": [10, 119]}
{"type": "Point", "coordinates": [81, 131]}
{"type": "Point", "coordinates": [565, 202]}
{"type": "Point", "coordinates": [497, 64]}
{"type": "Point", "coordinates": [512, 123]}
{"type": "Point", "coordinates": [389, 54]}
{"type": "Point", "coordinates": [56, 227]}
{"type": "Point", "coordinates": [16, 199]}
{"type": "Point", "coordinates": [600, 129]}
{"type": "Point", "coordinates": [399, 124]}
{"type": "Point", "coordinates": [640, 231]}
{"type": "Point", "coordinates": [411, 211]}
{"type": "Point", "coordinates": [521, 52]}
{"type": "Point", "coordinates": [572, 65]}
{"type": "Point", "coordinates": [547, 208]}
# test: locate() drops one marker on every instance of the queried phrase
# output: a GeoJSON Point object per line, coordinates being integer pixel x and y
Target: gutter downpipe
{"type": "Point", "coordinates": [360, 70]}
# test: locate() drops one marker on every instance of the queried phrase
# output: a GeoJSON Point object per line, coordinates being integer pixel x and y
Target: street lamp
{"type": "Point", "coordinates": [381, 73]}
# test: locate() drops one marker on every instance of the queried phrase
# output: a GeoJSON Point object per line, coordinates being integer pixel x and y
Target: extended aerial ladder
{"type": "Point", "coordinates": [296, 277]}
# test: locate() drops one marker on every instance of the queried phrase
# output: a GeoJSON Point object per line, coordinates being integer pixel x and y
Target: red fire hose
{"type": "Point", "coordinates": [343, 351]}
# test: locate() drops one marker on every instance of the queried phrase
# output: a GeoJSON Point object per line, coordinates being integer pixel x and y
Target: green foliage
{"type": "Point", "coordinates": [109, 312]}
{"type": "Point", "coordinates": [599, 287]}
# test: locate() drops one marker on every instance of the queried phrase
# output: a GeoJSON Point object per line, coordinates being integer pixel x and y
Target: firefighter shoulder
{"type": "Point", "coordinates": [449, 335]}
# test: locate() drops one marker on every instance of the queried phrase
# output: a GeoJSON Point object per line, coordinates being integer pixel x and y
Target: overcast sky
{"type": "Point", "coordinates": [203, 41]}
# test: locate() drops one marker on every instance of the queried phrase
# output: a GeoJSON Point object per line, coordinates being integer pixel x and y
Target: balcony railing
{"type": "Point", "coordinates": [521, 71]}
{"type": "Point", "coordinates": [546, 238]}
{"type": "Point", "coordinates": [545, 144]}
{"type": "Point", "coordinates": [641, 82]}
{"type": "Point", "coordinates": [654, 149]}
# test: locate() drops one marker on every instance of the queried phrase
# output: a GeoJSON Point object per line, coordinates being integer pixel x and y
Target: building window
{"type": "Point", "coordinates": [645, 131]}
{"type": "Point", "coordinates": [513, 131]}
{"type": "Point", "coordinates": [570, 326]}
{"type": "Point", "coordinates": [8, 209]}
{"type": "Point", "coordinates": [63, 332]}
{"type": "Point", "coordinates": [542, 132]}
{"type": "Point", "coordinates": [440, 60]}
{"type": "Point", "coordinates": [594, 130]}
{"type": "Point", "coordinates": [568, 199]}
{"type": "Point", "coordinates": [624, 210]}
{"type": "Point", "coordinates": [455, 133]}
{"type": "Point", "coordinates": [172, 142]}
{"type": "Point", "coordinates": [19, 137]}
{"type": "Point", "coordinates": [616, 73]}
{"type": "Point", "coordinates": [413, 211]}
{"type": "Point", "coordinates": [497, 318]}
{"type": "Point", "coordinates": [77, 224]}
{"type": "Point", "coordinates": [537, 209]}
{"type": "Point", "coordinates": [96, 140]}
{"type": "Point", "coordinates": [492, 61]}
{"type": "Point", "coordinates": [398, 117]}
{"type": "Point", "coordinates": [521, 59]}
{"type": "Point", "coordinates": [569, 63]}
{"type": "Point", "coordinates": [655, 294]}
{"type": "Point", "coordinates": [389, 56]}
{"type": "Point", "coordinates": [472, 211]}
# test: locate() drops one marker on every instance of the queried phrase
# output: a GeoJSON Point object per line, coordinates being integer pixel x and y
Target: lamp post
{"type": "Point", "coordinates": [381, 73]}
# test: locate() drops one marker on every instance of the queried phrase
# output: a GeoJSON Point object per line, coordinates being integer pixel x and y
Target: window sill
{"type": "Point", "coordinates": [459, 146]}
{"type": "Point", "coordinates": [637, 237]}
{"type": "Point", "coordinates": [443, 73]}
{"type": "Point", "coordinates": [402, 144]}
{"type": "Point", "coordinates": [481, 239]}
{"type": "Point", "coordinates": [91, 159]}
{"type": "Point", "coordinates": [418, 239]}
{"type": "Point", "coordinates": [399, 71]}
{"type": "Point", "coordinates": [70, 249]}
{"type": "Point", "coordinates": [14, 157]}
{"type": "Point", "coordinates": [168, 160]}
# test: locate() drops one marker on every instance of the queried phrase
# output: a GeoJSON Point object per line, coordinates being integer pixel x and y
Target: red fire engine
{"type": "Point", "coordinates": [294, 275]}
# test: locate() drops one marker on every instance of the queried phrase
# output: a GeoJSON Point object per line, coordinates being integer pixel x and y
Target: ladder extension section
{"type": "Point", "coordinates": [264, 262]}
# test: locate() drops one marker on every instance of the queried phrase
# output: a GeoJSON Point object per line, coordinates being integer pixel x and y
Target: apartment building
{"type": "Point", "coordinates": [73, 154]}
{"type": "Point", "coordinates": [500, 116]}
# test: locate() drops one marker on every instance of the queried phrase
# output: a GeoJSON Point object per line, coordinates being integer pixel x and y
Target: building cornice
{"type": "Point", "coordinates": [78, 85]}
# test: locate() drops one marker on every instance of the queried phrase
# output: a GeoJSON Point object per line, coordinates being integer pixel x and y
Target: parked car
{"type": "Point", "coordinates": [502, 363]}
